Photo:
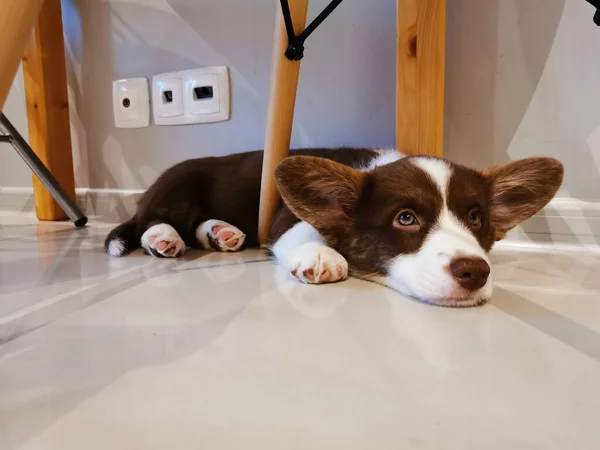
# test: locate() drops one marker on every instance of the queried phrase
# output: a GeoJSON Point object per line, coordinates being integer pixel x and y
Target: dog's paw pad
{"type": "Point", "coordinates": [220, 236]}
{"type": "Point", "coordinates": [163, 241]}
{"type": "Point", "coordinates": [318, 264]}
{"type": "Point", "coordinates": [165, 248]}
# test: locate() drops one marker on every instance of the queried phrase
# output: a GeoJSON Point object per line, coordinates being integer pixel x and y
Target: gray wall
{"type": "Point", "coordinates": [522, 79]}
{"type": "Point", "coordinates": [345, 96]}
{"type": "Point", "coordinates": [13, 171]}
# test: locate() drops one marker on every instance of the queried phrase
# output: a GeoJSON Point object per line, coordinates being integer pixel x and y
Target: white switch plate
{"type": "Point", "coordinates": [203, 96]}
{"type": "Point", "coordinates": [131, 103]}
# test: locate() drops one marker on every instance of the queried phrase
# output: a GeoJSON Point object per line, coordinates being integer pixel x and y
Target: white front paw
{"type": "Point", "coordinates": [316, 263]}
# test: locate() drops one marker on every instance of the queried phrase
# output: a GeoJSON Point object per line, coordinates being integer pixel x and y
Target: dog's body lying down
{"type": "Point", "coordinates": [418, 224]}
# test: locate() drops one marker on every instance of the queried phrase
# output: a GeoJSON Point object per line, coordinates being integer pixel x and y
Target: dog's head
{"type": "Point", "coordinates": [421, 225]}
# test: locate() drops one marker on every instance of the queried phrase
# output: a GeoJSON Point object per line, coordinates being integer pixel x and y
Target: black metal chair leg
{"type": "Point", "coordinates": [41, 171]}
{"type": "Point", "coordinates": [596, 4]}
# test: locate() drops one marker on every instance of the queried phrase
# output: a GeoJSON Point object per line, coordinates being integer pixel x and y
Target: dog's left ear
{"type": "Point", "coordinates": [520, 189]}
{"type": "Point", "coordinates": [319, 191]}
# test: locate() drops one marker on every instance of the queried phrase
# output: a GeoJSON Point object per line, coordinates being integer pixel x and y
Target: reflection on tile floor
{"type": "Point", "coordinates": [226, 352]}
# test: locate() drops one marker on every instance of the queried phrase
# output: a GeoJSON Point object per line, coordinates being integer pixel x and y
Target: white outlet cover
{"type": "Point", "coordinates": [131, 103]}
{"type": "Point", "coordinates": [204, 93]}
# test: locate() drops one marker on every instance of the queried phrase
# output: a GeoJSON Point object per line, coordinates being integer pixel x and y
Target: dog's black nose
{"type": "Point", "coordinates": [471, 273]}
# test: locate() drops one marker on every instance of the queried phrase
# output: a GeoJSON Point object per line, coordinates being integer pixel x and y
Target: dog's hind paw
{"type": "Point", "coordinates": [219, 235]}
{"type": "Point", "coordinates": [315, 263]}
{"type": "Point", "coordinates": [163, 241]}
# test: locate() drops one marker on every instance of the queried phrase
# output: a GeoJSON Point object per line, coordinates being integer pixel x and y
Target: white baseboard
{"type": "Point", "coordinates": [103, 205]}
{"type": "Point", "coordinates": [565, 224]}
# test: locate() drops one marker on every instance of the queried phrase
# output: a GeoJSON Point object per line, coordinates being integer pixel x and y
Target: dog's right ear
{"type": "Point", "coordinates": [319, 191]}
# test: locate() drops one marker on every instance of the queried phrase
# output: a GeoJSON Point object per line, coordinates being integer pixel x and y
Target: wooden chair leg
{"type": "Point", "coordinates": [48, 108]}
{"type": "Point", "coordinates": [16, 23]}
{"type": "Point", "coordinates": [421, 47]}
{"type": "Point", "coordinates": [282, 98]}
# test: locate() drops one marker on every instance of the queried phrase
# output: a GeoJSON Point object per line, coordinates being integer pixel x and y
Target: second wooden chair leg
{"type": "Point", "coordinates": [421, 39]}
{"type": "Point", "coordinates": [282, 99]}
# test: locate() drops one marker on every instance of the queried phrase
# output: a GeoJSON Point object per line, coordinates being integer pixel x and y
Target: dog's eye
{"type": "Point", "coordinates": [475, 218]}
{"type": "Point", "coordinates": [406, 219]}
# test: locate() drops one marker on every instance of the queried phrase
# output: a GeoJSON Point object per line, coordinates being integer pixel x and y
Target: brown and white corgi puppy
{"type": "Point", "coordinates": [420, 225]}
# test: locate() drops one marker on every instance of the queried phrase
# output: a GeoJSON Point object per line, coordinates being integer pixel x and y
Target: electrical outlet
{"type": "Point", "coordinates": [131, 103]}
{"type": "Point", "coordinates": [191, 96]}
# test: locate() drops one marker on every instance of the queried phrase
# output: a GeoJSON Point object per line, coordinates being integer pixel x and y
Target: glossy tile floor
{"type": "Point", "coordinates": [226, 352]}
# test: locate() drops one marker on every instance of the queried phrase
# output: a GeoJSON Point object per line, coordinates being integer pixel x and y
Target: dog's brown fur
{"type": "Point", "coordinates": [227, 188]}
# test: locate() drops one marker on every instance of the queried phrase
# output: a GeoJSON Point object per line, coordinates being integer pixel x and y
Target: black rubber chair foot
{"type": "Point", "coordinates": [81, 222]}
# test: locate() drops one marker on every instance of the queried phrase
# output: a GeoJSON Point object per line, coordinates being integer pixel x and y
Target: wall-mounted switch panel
{"type": "Point", "coordinates": [191, 96]}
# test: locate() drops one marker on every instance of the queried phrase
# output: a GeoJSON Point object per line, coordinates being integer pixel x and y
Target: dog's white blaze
{"type": "Point", "coordinates": [438, 170]}
{"type": "Point", "coordinates": [425, 274]}
{"type": "Point", "coordinates": [288, 244]}
{"type": "Point", "coordinates": [116, 247]}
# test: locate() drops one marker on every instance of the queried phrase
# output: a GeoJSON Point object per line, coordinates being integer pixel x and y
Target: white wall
{"type": "Point", "coordinates": [522, 79]}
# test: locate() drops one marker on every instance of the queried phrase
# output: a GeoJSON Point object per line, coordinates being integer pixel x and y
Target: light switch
{"type": "Point", "coordinates": [167, 98]}
{"type": "Point", "coordinates": [204, 93]}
